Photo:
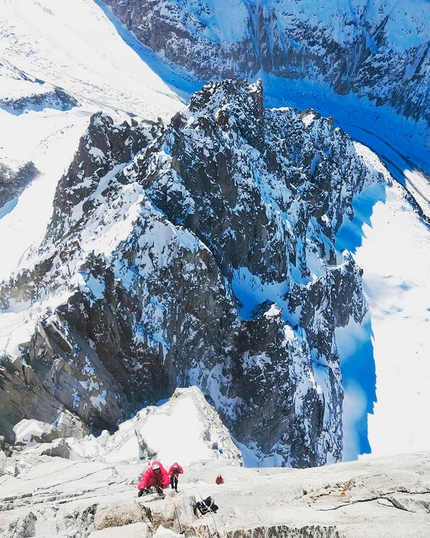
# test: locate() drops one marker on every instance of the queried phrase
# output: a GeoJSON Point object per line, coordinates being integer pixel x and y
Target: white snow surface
{"type": "Point", "coordinates": [75, 46]}
{"type": "Point", "coordinates": [395, 256]}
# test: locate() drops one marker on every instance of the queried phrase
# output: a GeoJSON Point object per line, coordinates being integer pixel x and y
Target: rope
{"type": "Point", "coordinates": [177, 517]}
{"type": "Point", "coordinates": [191, 523]}
{"type": "Point", "coordinates": [211, 512]}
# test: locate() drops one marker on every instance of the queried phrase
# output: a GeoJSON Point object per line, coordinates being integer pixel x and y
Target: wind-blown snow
{"type": "Point", "coordinates": [167, 433]}
{"type": "Point", "coordinates": [85, 55]}
{"type": "Point", "coordinates": [74, 45]}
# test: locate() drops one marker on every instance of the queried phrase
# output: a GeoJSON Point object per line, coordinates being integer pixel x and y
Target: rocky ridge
{"type": "Point", "coordinates": [90, 491]}
{"type": "Point", "coordinates": [200, 252]}
{"type": "Point", "coordinates": [31, 93]}
{"type": "Point", "coordinates": [373, 498]}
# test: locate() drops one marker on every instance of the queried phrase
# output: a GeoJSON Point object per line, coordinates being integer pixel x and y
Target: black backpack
{"type": "Point", "coordinates": [205, 506]}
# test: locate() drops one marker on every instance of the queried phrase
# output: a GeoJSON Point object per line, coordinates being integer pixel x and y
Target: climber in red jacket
{"type": "Point", "coordinates": [219, 479]}
{"type": "Point", "coordinates": [174, 471]}
{"type": "Point", "coordinates": [155, 476]}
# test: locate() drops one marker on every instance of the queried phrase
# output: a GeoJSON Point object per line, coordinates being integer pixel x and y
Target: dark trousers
{"type": "Point", "coordinates": [174, 481]}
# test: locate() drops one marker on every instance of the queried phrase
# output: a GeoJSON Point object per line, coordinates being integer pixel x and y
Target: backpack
{"type": "Point", "coordinates": [202, 508]}
{"type": "Point", "coordinates": [205, 506]}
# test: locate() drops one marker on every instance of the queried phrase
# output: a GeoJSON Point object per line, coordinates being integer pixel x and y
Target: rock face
{"type": "Point", "coordinates": [13, 183]}
{"type": "Point", "coordinates": [377, 50]}
{"type": "Point", "coordinates": [195, 253]}
{"type": "Point", "coordinates": [58, 498]}
{"type": "Point", "coordinates": [47, 98]}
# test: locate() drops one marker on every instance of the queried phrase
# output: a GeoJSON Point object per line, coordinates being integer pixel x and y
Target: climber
{"type": "Point", "coordinates": [219, 479]}
{"type": "Point", "coordinates": [174, 471]}
{"type": "Point", "coordinates": [205, 506]}
{"type": "Point", "coordinates": [155, 476]}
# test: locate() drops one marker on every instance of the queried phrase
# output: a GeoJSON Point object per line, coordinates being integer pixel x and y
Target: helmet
{"type": "Point", "coordinates": [155, 467]}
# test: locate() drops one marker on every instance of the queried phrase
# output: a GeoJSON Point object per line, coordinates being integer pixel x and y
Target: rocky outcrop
{"type": "Point", "coordinates": [13, 183]}
{"type": "Point", "coordinates": [376, 51]}
{"type": "Point", "coordinates": [285, 531]}
{"type": "Point", "coordinates": [59, 498]}
{"type": "Point", "coordinates": [135, 439]}
{"type": "Point", "coordinates": [51, 98]}
{"type": "Point", "coordinates": [197, 253]}
{"type": "Point", "coordinates": [33, 93]}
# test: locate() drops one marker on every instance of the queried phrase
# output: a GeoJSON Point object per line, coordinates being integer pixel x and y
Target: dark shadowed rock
{"type": "Point", "coordinates": [56, 98]}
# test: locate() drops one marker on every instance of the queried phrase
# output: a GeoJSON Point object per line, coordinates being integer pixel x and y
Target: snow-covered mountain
{"type": "Point", "coordinates": [377, 51]}
{"type": "Point", "coordinates": [197, 253]}
{"type": "Point", "coordinates": [354, 46]}
{"type": "Point", "coordinates": [224, 270]}
{"type": "Point", "coordinates": [185, 428]}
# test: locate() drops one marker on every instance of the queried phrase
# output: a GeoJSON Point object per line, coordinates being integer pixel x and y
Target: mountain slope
{"type": "Point", "coordinates": [48, 47]}
{"type": "Point", "coordinates": [198, 252]}
{"type": "Point", "coordinates": [115, 72]}
{"type": "Point", "coordinates": [374, 56]}
{"type": "Point", "coordinates": [376, 50]}
{"type": "Point", "coordinates": [365, 64]}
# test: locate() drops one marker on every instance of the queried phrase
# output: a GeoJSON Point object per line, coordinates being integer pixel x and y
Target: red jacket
{"type": "Point", "coordinates": [154, 478]}
{"type": "Point", "coordinates": [219, 479]}
{"type": "Point", "coordinates": [172, 469]}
